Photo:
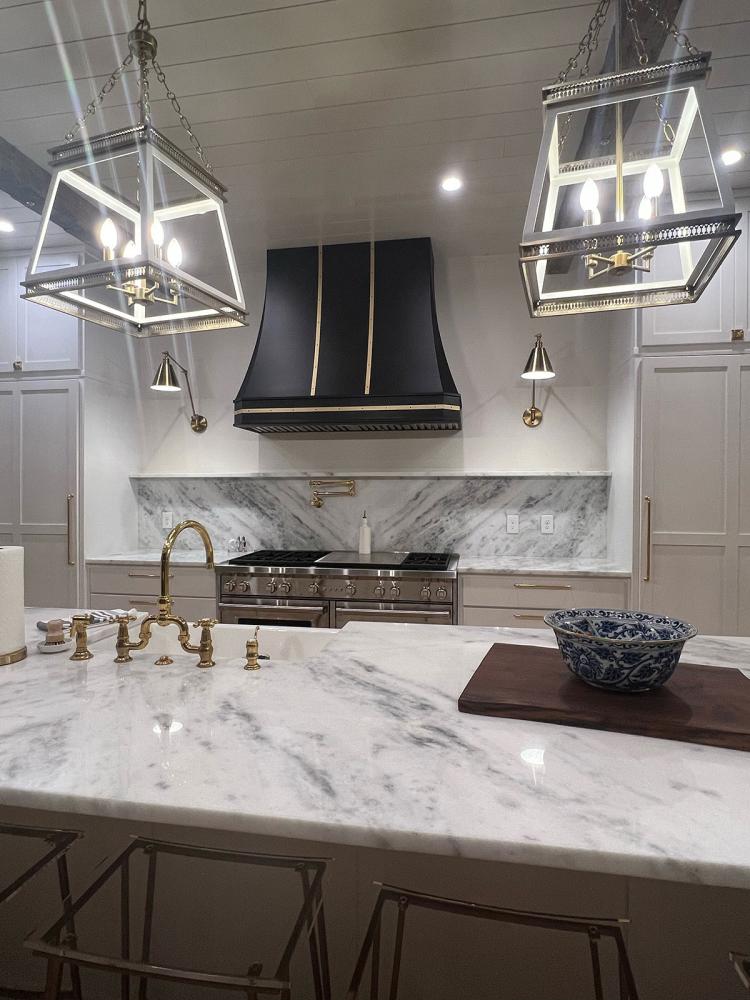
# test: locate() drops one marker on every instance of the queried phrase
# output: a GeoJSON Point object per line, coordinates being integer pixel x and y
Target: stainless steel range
{"type": "Point", "coordinates": [329, 589]}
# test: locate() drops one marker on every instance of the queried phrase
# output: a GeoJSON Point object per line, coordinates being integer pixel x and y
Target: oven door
{"type": "Point", "coordinates": [272, 611]}
{"type": "Point", "coordinates": [421, 614]}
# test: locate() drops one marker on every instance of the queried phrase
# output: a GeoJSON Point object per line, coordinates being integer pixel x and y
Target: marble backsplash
{"type": "Point", "coordinates": [459, 514]}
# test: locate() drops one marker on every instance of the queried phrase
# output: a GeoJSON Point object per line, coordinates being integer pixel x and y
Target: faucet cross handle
{"type": "Point", "coordinates": [252, 654]}
{"type": "Point", "coordinates": [122, 643]}
{"type": "Point", "coordinates": [78, 631]}
{"type": "Point", "coordinates": [206, 645]}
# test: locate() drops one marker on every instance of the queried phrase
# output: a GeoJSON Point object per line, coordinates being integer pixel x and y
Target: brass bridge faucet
{"type": "Point", "coordinates": [165, 617]}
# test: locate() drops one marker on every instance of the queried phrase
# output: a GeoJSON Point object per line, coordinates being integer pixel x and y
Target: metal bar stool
{"type": "Point", "coordinates": [741, 965]}
{"type": "Point", "coordinates": [59, 951]}
{"type": "Point", "coordinates": [403, 900]}
{"type": "Point", "coordinates": [58, 842]}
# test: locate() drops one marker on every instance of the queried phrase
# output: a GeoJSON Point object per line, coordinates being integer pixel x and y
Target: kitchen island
{"type": "Point", "coordinates": [360, 744]}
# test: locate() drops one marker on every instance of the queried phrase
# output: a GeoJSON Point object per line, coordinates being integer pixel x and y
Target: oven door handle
{"type": "Point", "coordinates": [407, 612]}
{"type": "Point", "coordinates": [277, 609]}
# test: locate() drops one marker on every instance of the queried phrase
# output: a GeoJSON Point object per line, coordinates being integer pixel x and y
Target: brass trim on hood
{"type": "Point", "coordinates": [318, 316]}
{"type": "Point", "coordinates": [370, 319]}
{"type": "Point", "coordinates": [346, 409]}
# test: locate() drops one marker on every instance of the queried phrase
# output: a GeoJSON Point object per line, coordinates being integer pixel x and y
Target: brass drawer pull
{"type": "Point", "coordinates": [147, 576]}
{"type": "Point", "coordinates": [648, 501]}
{"type": "Point", "coordinates": [530, 618]}
{"type": "Point", "coordinates": [137, 600]}
{"type": "Point", "coordinates": [543, 586]}
{"type": "Point", "coordinates": [70, 499]}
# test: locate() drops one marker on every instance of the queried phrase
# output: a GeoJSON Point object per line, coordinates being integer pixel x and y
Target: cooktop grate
{"type": "Point", "coordinates": [277, 557]}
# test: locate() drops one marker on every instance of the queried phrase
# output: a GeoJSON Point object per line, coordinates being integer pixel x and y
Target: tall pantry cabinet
{"type": "Point", "coordinates": [41, 361]}
{"type": "Point", "coordinates": [692, 523]}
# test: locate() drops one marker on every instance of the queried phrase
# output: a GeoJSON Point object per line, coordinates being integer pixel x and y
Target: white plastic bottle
{"type": "Point", "coordinates": [365, 536]}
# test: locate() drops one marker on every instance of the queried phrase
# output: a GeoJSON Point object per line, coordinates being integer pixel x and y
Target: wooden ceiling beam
{"type": "Point", "coordinates": [27, 183]}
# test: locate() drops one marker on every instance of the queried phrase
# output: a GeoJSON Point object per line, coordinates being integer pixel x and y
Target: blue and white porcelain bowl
{"type": "Point", "coordinates": [619, 650]}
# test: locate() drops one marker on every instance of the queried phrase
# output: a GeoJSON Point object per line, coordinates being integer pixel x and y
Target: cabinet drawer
{"type": "Point", "coordinates": [543, 592]}
{"type": "Point", "coordinates": [506, 617]}
{"type": "Point", "coordinates": [131, 578]}
{"type": "Point", "coordinates": [190, 608]}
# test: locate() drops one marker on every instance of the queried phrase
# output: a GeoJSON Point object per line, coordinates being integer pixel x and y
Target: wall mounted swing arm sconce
{"type": "Point", "coordinates": [538, 368]}
{"type": "Point", "coordinates": [166, 380]}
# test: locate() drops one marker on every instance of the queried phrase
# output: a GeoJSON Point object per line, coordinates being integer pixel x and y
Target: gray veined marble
{"type": "Point", "coordinates": [429, 514]}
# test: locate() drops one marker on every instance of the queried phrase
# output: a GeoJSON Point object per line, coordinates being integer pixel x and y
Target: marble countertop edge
{"type": "Point", "coordinates": [584, 860]}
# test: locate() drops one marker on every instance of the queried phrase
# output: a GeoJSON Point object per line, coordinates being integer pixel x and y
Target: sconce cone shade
{"type": "Point", "coordinates": [165, 379]}
{"type": "Point", "coordinates": [539, 365]}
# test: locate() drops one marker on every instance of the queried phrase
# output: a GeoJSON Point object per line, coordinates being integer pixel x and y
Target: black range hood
{"type": "Point", "coordinates": [349, 341]}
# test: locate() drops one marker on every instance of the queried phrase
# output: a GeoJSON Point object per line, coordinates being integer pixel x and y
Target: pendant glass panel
{"type": "Point", "coordinates": [160, 259]}
{"type": "Point", "coordinates": [653, 233]}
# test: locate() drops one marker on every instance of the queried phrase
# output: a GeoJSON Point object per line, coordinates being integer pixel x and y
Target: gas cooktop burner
{"type": "Point", "coordinates": [418, 561]}
{"type": "Point", "coordinates": [278, 557]}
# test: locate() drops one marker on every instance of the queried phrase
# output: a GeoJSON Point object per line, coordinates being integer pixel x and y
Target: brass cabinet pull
{"type": "Point", "coordinates": [648, 501]}
{"type": "Point", "coordinates": [530, 618]}
{"type": "Point", "coordinates": [138, 600]}
{"type": "Point", "coordinates": [543, 586]}
{"type": "Point", "coordinates": [70, 500]}
{"type": "Point", "coordinates": [147, 576]}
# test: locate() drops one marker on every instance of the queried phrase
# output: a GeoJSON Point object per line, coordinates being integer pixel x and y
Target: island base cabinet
{"type": "Point", "coordinates": [677, 939]}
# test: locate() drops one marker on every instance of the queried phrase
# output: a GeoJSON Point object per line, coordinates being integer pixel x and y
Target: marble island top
{"type": "Point", "coordinates": [362, 744]}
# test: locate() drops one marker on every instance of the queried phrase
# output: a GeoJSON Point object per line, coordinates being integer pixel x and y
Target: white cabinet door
{"type": "Point", "coordinates": [743, 539]}
{"type": "Point", "coordinates": [48, 341]}
{"type": "Point", "coordinates": [9, 292]}
{"type": "Point", "coordinates": [722, 308]}
{"type": "Point", "coordinates": [689, 465]}
{"type": "Point", "coordinates": [48, 422]}
{"type": "Point", "coordinates": [8, 462]}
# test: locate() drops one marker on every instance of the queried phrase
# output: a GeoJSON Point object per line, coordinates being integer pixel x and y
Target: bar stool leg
{"type": "Point", "coordinates": [398, 947]}
{"type": "Point", "coordinates": [54, 978]}
{"type": "Point", "coordinates": [64, 882]}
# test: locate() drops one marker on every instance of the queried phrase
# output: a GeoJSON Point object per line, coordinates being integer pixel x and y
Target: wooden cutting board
{"type": "Point", "coordinates": [699, 704]}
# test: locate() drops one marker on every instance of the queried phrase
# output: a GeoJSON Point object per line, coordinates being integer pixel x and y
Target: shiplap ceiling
{"type": "Point", "coordinates": [334, 120]}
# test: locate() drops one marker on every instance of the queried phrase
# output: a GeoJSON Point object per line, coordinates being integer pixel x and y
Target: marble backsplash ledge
{"type": "Point", "coordinates": [464, 515]}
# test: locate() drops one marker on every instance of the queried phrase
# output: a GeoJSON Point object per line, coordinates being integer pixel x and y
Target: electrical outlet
{"type": "Point", "coordinates": [511, 524]}
{"type": "Point", "coordinates": [547, 524]}
{"type": "Point", "coordinates": [167, 519]}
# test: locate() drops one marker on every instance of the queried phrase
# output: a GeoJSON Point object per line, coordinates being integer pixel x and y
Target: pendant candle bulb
{"type": "Point", "coordinates": [152, 198]}
{"type": "Point", "coordinates": [603, 135]}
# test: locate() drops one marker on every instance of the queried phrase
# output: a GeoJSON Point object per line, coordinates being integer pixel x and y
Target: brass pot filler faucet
{"type": "Point", "coordinates": [205, 648]}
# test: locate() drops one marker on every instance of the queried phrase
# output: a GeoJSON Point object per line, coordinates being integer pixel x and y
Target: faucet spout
{"type": "Point", "coordinates": [165, 599]}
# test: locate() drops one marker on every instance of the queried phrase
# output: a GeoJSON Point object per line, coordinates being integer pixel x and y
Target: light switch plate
{"type": "Point", "coordinates": [167, 519]}
{"type": "Point", "coordinates": [547, 524]}
{"type": "Point", "coordinates": [511, 524]}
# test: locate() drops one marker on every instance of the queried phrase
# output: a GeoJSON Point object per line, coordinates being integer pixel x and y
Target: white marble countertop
{"type": "Point", "coordinates": [533, 566]}
{"type": "Point", "coordinates": [148, 557]}
{"type": "Point", "coordinates": [528, 566]}
{"type": "Point", "coordinates": [362, 744]}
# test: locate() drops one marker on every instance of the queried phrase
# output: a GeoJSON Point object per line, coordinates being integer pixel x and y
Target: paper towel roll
{"type": "Point", "coordinates": [12, 627]}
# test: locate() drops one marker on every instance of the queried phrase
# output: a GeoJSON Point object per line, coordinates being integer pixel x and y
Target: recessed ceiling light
{"type": "Point", "coordinates": [731, 156]}
{"type": "Point", "coordinates": [6, 227]}
{"type": "Point", "coordinates": [451, 182]}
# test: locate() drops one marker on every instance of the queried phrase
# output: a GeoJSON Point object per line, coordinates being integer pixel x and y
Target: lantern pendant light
{"type": "Point", "coordinates": [614, 220]}
{"type": "Point", "coordinates": [163, 258]}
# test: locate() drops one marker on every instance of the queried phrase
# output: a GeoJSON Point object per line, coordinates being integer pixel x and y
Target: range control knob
{"type": "Point", "coordinates": [243, 586]}
{"type": "Point", "coordinates": [395, 591]}
{"type": "Point", "coordinates": [380, 590]}
{"type": "Point", "coordinates": [271, 586]}
{"type": "Point", "coordinates": [285, 586]}
{"type": "Point", "coordinates": [442, 593]}
{"type": "Point", "coordinates": [425, 593]}
{"type": "Point", "coordinates": [351, 590]}
{"type": "Point", "coordinates": [230, 585]}
{"type": "Point", "coordinates": [314, 587]}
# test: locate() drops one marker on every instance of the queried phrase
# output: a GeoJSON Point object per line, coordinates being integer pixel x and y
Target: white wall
{"type": "Point", "coordinates": [487, 335]}
{"type": "Point", "coordinates": [112, 430]}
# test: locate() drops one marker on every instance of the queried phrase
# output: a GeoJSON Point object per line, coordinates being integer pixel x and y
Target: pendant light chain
{"type": "Point", "coordinates": [588, 43]}
{"type": "Point", "coordinates": [145, 56]}
{"type": "Point", "coordinates": [679, 36]}
{"type": "Point", "coordinates": [640, 48]}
